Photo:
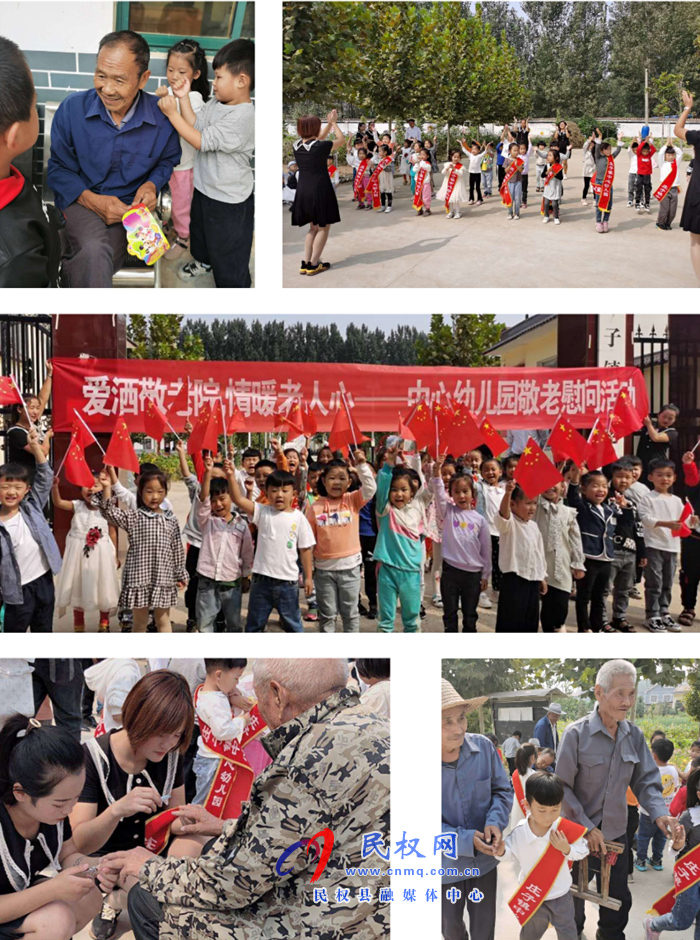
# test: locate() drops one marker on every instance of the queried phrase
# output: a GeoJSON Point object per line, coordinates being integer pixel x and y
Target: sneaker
{"type": "Point", "coordinates": [104, 926]}
{"type": "Point", "coordinates": [423, 614]}
{"type": "Point", "coordinates": [649, 934]}
{"type": "Point", "coordinates": [636, 593]}
{"type": "Point", "coordinates": [606, 226]}
{"type": "Point", "coordinates": [517, 218]}
{"type": "Point", "coordinates": [671, 624]}
{"type": "Point", "coordinates": [437, 601]}
{"type": "Point", "coordinates": [584, 202]}
{"type": "Point", "coordinates": [450, 215]}
{"type": "Point", "coordinates": [458, 215]}
{"type": "Point", "coordinates": [420, 212]}
{"type": "Point", "coordinates": [103, 626]}
{"type": "Point", "coordinates": [179, 248]}
{"type": "Point", "coordinates": [471, 202]}
{"type": "Point", "coordinates": [372, 613]}
{"type": "Point", "coordinates": [565, 177]}
{"type": "Point", "coordinates": [310, 616]}
{"type": "Point", "coordinates": [191, 626]}
{"type": "Point", "coordinates": [641, 864]}
{"type": "Point", "coordinates": [363, 611]}
{"type": "Point", "coordinates": [647, 209]}
{"type": "Point", "coordinates": [303, 267]}
{"type": "Point", "coordinates": [359, 206]}
{"type": "Point", "coordinates": [388, 209]}
{"type": "Point", "coordinates": [655, 625]}
{"type": "Point", "coordinates": [192, 270]}
{"type": "Point", "coordinates": [523, 205]}
{"type": "Point", "coordinates": [484, 601]}
{"type": "Point", "coordinates": [657, 864]}
{"type": "Point", "coordinates": [480, 202]}
{"type": "Point", "coordinates": [599, 227]}
{"type": "Point", "coordinates": [557, 221]}
{"type": "Point", "coordinates": [510, 218]}
{"type": "Point", "coordinates": [545, 220]}
{"type": "Point", "coordinates": [427, 211]}
{"type": "Point", "coordinates": [637, 208]}
{"type": "Point", "coordinates": [319, 269]}
{"type": "Point", "coordinates": [630, 204]}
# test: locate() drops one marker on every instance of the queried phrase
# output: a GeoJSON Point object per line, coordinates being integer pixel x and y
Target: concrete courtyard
{"type": "Point", "coordinates": [484, 249]}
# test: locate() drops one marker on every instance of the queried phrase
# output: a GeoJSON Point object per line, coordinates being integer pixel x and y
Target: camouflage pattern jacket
{"type": "Point", "coordinates": [330, 770]}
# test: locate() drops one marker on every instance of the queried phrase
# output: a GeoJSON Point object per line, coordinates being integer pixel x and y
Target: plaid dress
{"type": "Point", "coordinates": [155, 561]}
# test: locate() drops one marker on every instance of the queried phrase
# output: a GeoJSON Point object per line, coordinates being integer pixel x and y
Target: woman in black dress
{"type": "Point", "coordinates": [315, 204]}
{"type": "Point", "coordinates": [18, 449]}
{"type": "Point", "coordinates": [690, 219]}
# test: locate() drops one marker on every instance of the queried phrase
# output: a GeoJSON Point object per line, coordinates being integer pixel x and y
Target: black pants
{"type": "Point", "coordinates": [387, 198]}
{"type": "Point", "coordinates": [525, 178]}
{"type": "Point", "coordinates": [555, 609]}
{"type": "Point", "coordinates": [88, 699]}
{"type": "Point", "coordinates": [459, 587]}
{"type": "Point", "coordinates": [495, 570]}
{"type": "Point", "coordinates": [221, 235]}
{"type": "Point", "coordinates": [591, 590]}
{"type": "Point", "coordinates": [482, 914]}
{"type": "Point", "coordinates": [518, 605]}
{"type": "Point", "coordinates": [191, 593]}
{"type": "Point", "coordinates": [474, 183]}
{"type": "Point", "coordinates": [690, 571]}
{"type": "Point", "coordinates": [367, 545]}
{"type": "Point", "coordinates": [632, 825]}
{"type": "Point", "coordinates": [611, 924]}
{"type": "Point", "coordinates": [586, 186]}
{"type": "Point", "coordinates": [643, 186]}
{"type": "Point", "coordinates": [36, 609]}
{"type": "Point", "coordinates": [511, 764]}
{"type": "Point", "coordinates": [551, 205]}
{"type": "Point", "coordinates": [62, 681]}
{"type": "Point", "coordinates": [501, 171]}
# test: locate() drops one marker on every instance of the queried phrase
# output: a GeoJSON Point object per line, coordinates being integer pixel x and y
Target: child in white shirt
{"type": "Point", "coordinates": [662, 752]}
{"type": "Point", "coordinates": [667, 159]}
{"type": "Point", "coordinates": [522, 562]}
{"type": "Point", "coordinates": [475, 152]}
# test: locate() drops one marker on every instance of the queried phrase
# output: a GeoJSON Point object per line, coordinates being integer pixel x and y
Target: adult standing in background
{"type": "Point", "coordinates": [657, 438]}
{"type": "Point", "coordinates": [546, 728]}
{"type": "Point", "coordinates": [510, 749]}
{"type": "Point", "coordinates": [690, 218]}
{"type": "Point", "coordinates": [413, 132]}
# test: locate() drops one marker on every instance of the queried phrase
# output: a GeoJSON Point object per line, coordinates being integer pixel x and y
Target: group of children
{"type": "Point", "coordinates": [211, 188]}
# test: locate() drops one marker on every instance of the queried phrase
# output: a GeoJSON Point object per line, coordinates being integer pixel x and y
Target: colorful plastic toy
{"type": "Point", "coordinates": [144, 236]}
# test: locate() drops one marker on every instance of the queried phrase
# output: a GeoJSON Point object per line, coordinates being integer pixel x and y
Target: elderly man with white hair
{"type": "Point", "coordinates": [330, 771]}
{"type": "Point", "coordinates": [599, 757]}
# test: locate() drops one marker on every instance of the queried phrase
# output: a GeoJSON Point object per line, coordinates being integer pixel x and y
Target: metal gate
{"type": "Point", "coordinates": [25, 345]}
{"type": "Point", "coordinates": [651, 355]}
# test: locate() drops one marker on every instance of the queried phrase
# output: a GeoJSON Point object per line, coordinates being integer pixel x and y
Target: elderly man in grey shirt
{"type": "Point", "coordinates": [599, 757]}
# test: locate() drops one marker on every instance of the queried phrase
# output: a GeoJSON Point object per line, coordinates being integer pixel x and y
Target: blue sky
{"type": "Point", "coordinates": [382, 321]}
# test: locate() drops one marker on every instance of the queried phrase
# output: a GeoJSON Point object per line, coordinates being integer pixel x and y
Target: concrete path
{"type": "Point", "coordinates": [484, 249]}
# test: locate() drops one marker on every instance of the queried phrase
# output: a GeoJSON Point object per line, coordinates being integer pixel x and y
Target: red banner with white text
{"type": "Point", "coordinates": [511, 398]}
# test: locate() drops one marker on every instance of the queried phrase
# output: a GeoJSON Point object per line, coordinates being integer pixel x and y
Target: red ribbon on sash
{"type": "Point", "coordinates": [537, 884]}
{"type": "Point", "coordinates": [514, 168]}
{"type": "Point", "coordinates": [451, 183]}
{"type": "Point", "coordinates": [667, 184]}
{"type": "Point", "coordinates": [555, 168]}
{"type": "Point", "coordinates": [519, 792]}
{"type": "Point", "coordinates": [359, 176]}
{"type": "Point", "coordinates": [374, 181]}
{"type": "Point", "coordinates": [100, 729]}
{"type": "Point", "coordinates": [686, 874]}
{"type": "Point", "coordinates": [418, 196]}
{"type": "Point", "coordinates": [157, 830]}
{"type": "Point", "coordinates": [604, 190]}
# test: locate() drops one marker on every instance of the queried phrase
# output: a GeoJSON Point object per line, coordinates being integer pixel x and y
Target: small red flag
{"type": "Point", "coordinates": [566, 442]}
{"type": "Point", "coordinates": [461, 432]}
{"type": "Point", "coordinates": [179, 408]}
{"type": "Point", "coordinates": [154, 420]}
{"type": "Point", "coordinates": [75, 465]}
{"type": "Point", "coordinates": [237, 422]}
{"type": "Point", "coordinates": [600, 449]}
{"type": "Point", "coordinates": [625, 418]}
{"type": "Point", "coordinates": [308, 422]}
{"type": "Point", "coordinates": [423, 426]}
{"type": "Point", "coordinates": [493, 440]}
{"type": "Point", "coordinates": [120, 452]}
{"type": "Point", "coordinates": [345, 432]}
{"type": "Point", "coordinates": [199, 428]}
{"type": "Point", "coordinates": [9, 393]}
{"type": "Point", "coordinates": [404, 431]}
{"type": "Point", "coordinates": [535, 472]}
{"type": "Point", "coordinates": [213, 429]}
{"type": "Point", "coordinates": [685, 530]}
{"type": "Point", "coordinates": [292, 420]}
{"type": "Point", "coordinates": [80, 428]}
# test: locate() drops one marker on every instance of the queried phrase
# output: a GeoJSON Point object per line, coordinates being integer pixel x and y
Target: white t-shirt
{"type": "Point", "coordinates": [527, 848]}
{"type": "Point", "coordinates": [29, 555]}
{"type": "Point", "coordinates": [658, 507]}
{"type": "Point", "coordinates": [520, 548]}
{"type": "Point", "coordinates": [493, 497]}
{"type": "Point", "coordinates": [670, 782]}
{"type": "Point", "coordinates": [188, 151]}
{"type": "Point", "coordinates": [280, 536]}
{"type": "Point", "coordinates": [242, 476]}
{"type": "Point", "coordinates": [214, 709]}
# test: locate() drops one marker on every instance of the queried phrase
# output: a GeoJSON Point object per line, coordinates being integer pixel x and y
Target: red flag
{"type": "Point", "coordinates": [422, 425]}
{"type": "Point", "coordinates": [600, 449]}
{"type": "Point", "coordinates": [535, 472]}
{"type": "Point", "coordinates": [461, 433]}
{"type": "Point", "coordinates": [237, 422]}
{"type": "Point", "coordinates": [199, 428]}
{"type": "Point", "coordinates": [493, 440]}
{"type": "Point", "coordinates": [213, 429]}
{"type": "Point", "coordinates": [308, 422]}
{"type": "Point", "coordinates": [625, 418]}
{"type": "Point", "coordinates": [180, 406]}
{"type": "Point", "coordinates": [404, 431]}
{"type": "Point", "coordinates": [9, 393]}
{"type": "Point", "coordinates": [566, 442]}
{"type": "Point", "coordinates": [292, 420]}
{"type": "Point", "coordinates": [120, 452]}
{"type": "Point", "coordinates": [345, 432]}
{"type": "Point", "coordinates": [75, 465]}
{"type": "Point", "coordinates": [80, 428]}
{"type": "Point", "coordinates": [685, 530]}
{"type": "Point", "coordinates": [154, 420]}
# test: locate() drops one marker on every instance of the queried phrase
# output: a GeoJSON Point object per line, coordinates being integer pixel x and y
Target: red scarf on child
{"type": "Point", "coordinates": [359, 176]}
{"type": "Point", "coordinates": [667, 184]}
{"type": "Point", "coordinates": [555, 168]}
{"type": "Point", "coordinates": [418, 197]}
{"type": "Point", "coordinates": [604, 190]}
{"type": "Point", "coordinates": [514, 168]}
{"type": "Point", "coordinates": [373, 185]}
{"type": "Point", "coordinates": [451, 183]}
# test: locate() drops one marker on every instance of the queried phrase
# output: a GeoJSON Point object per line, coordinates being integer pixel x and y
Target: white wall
{"type": "Point", "coordinates": [56, 26]}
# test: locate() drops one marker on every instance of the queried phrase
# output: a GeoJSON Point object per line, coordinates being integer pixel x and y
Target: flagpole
{"type": "Point", "coordinates": [58, 472]}
{"type": "Point", "coordinates": [24, 404]}
{"type": "Point", "coordinates": [350, 421]}
{"type": "Point", "coordinates": [696, 446]}
{"type": "Point", "coordinates": [223, 421]}
{"type": "Point", "coordinates": [552, 429]}
{"type": "Point", "coordinates": [173, 429]}
{"type": "Point", "coordinates": [437, 440]}
{"type": "Point", "coordinates": [84, 423]}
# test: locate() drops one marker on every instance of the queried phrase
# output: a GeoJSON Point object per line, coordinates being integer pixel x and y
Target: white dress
{"type": "Point", "coordinates": [459, 193]}
{"type": "Point", "coordinates": [88, 582]}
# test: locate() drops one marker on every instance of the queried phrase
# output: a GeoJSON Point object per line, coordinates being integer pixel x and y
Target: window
{"type": "Point", "coordinates": [211, 24]}
{"type": "Point", "coordinates": [653, 699]}
{"type": "Point", "coordinates": [667, 697]}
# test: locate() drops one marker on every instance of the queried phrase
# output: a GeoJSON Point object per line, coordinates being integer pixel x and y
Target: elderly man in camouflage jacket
{"type": "Point", "coordinates": [330, 770]}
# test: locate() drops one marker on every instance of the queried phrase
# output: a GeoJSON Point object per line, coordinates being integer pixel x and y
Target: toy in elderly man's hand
{"type": "Point", "coordinates": [144, 236]}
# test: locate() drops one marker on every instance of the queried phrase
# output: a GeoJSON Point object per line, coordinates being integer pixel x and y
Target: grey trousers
{"type": "Point", "coordinates": [622, 575]}
{"type": "Point", "coordinates": [668, 208]}
{"type": "Point", "coordinates": [658, 581]}
{"type": "Point", "coordinates": [96, 252]}
{"type": "Point", "coordinates": [482, 914]}
{"type": "Point", "coordinates": [558, 912]}
{"type": "Point", "coordinates": [338, 592]}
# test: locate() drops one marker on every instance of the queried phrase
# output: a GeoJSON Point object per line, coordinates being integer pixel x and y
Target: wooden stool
{"type": "Point", "coordinates": [584, 891]}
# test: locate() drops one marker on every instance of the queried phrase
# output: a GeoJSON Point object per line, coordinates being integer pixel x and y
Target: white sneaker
{"type": "Point", "coordinates": [450, 215]}
{"type": "Point", "coordinates": [671, 624]}
{"type": "Point", "coordinates": [655, 625]}
{"type": "Point", "coordinates": [437, 601]}
{"type": "Point", "coordinates": [629, 204]}
{"type": "Point", "coordinates": [484, 600]}
{"type": "Point", "coordinates": [193, 269]}
{"type": "Point", "coordinates": [565, 177]}
{"type": "Point", "coordinates": [647, 209]}
{"type": "Point", "coordinates": [649, 934]}
{"type": "Point", "coordinates": [557, 221]}
{"type": "Point", "coordinates": [388, 209]}
{"type": "Point", "coordinates": [517, 218]}
{"type": "Point", "coordinates": [458, 215]}
{"type": "Point", "coordinates": [545, 220]}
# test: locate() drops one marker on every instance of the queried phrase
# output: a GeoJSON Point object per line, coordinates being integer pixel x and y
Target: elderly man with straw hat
{"type": "Point", "coordinates": [476, 803]}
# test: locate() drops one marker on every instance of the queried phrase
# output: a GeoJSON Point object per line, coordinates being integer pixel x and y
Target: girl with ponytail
{"type": "Point", "coordinates": [42, 773]}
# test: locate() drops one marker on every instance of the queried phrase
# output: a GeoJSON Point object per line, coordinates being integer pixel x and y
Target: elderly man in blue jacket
{"type": "Point", "coordinates": [111, 148]}
{"type": "Point", "coordinates": [546, 728]}
{"type": "Point", "coordinates": [476, 802]}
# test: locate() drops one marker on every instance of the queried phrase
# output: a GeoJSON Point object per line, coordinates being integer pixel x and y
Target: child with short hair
{"type": "Point", "coordinates": [250, 458]}
{"type": "Point", "coordinates": [553, 189]}
{"type": "Point", "coordinates": [223, 136]}
{"type": "Point", "coordinates": [690, 546]}
{"type": "Point", "coordinates": [475, 152]}
{"type": "Point", "coordinates": [386, 178]}
{"type": "Point", "coordinates": [29, 555]}
{"type": "Point", "coordinates": [283, 533]}
{"type": "Point", "coordinates": [544, 829]}
{"type": "Point", "coordinates": [513, 161]}
{"type": "Point", "coordinates": [401, 500]}
{"type": "Point", "coordinates": [632, 175]}
{"type": "Point", "coordinates": [563, 551]}
{"type": "Point", "coordinates": [522, 562]}
{"type": "Point", "coordinates": [509, 465]}
{"type": "Point", "coordinates": [414, 161]}
{"type": "Point", "coordinates": [525, 150]}
{"type": "Point", "coordinates": [333, 172]}
{"type": "Point", "coordinates": [630, 550]}
{"type": "Point", "coordinates": [669, 167]}
{"type": "Point", "coordinates": [424, 189]}
{"type": "Point", "coordinates": [662, 752]}
{"type": "Point", "coordinates": [588, 166]}
{"type": "Point", "coordinates": [435, 525]}
{"type": "Point", "coordinates": [361, 163]}
{"type": "Point", "coordinates": [603, 186]}
{"type": "Point", "coordinates": [452, 191]}
{"type": "Point", "coordinates": [489, 495]}
{"type": "Point", "coordinates": [642, 189]}
{"type": "Point", "coordinates": [540, 166]}
{"type": "Point", "coordinates": [30, 244]}
{"type": "Point", "coordinates": [466, 550]}
{"type": "Point", "coordinates": [487, 170]}
{"type": "Point", "coordinates": [289, 184]}
{"type": "Point", "coordinates": [660, 512]}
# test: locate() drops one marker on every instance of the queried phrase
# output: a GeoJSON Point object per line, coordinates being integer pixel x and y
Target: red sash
{"type": "Point", "coordinates": [451, 183]}
{"type": "Point", "coordinates": [374, 181]}
{"type": "Point", "coordinates": [686, 874]}
{"type": "Point", "coordinates": [100, 729]}
{"type": "Point", "coordinates": [359, 176]}
{"type": "Point", "coordinates": [331, 170]}
{"type": "Point", "coordinates": [604, 190]}
{"type": "Point", "coordinates": [519, 792]}
{"type": "Point", "coordinates": [538, 882]}
{"type": "Point", "coordinates": [667, 184]}
{"type": "Point", "coordinates": [418, 196]}
{"type": "Point", "coordinates": [556, 167]}
{"type": "Point", "coordinates": [514, 168]}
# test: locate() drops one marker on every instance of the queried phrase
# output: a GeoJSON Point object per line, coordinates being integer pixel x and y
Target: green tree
{"type": "Point", "coordinates": [666, 90]}
{"type": "Point", "coordinates": [463, 343]}
{"type": "Point", "coordinates": [692, 698]}
{"type": "Point", "coordinates": [161, 336]}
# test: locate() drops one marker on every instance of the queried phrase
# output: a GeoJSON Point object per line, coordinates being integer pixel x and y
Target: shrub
{"type": "Point", "coordinates": [169, 463]}
{"type": "Point", "coordinates": [588, 124]}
